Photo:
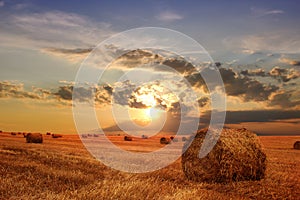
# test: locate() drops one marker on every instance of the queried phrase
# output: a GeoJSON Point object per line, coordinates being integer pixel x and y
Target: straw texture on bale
{"type": "Point", "coordinates": [297, 145]}
{"type": "Point", "coordinates": [34, 138]}
{"type": "Point", "coordinates": [237, 156]}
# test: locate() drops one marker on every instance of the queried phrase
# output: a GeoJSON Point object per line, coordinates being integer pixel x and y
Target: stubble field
{"type": "Point", "coordinates": [63, 169]}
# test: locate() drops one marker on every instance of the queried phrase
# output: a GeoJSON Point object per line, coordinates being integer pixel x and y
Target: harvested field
{"type": "Point", "coordinates": [63, 169]}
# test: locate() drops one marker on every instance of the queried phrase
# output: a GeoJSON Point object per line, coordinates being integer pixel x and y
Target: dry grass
{"type": "Point", "coordinates": [63, 169]}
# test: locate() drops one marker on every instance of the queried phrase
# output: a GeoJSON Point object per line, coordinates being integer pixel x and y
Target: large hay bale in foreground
{"type": "Point", "coordinates": [34, 138]}
{"type": "Point", "coordinates": [297, 145]}
{"type": "Point", "coordinates": [237, 156]}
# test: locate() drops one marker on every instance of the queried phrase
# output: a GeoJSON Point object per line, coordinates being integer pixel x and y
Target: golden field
{"type": "Point", "coordinates": [63, 169]}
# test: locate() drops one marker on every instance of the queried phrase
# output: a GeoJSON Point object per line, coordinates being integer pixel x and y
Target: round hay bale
{"type": "Point", "coordinates": [164, 140]}
{"type": "Point", "coordinates": [183, 139]}
{"type": "Point", "coordinates": [297, 145]}
{"type": "Point", "coordinates": [237, 156]}
{"type": "Point", "coordinates": [144, 136]}
{"type": "Point", "coordinates": [48, 133]}
{"type": "Point", "coordinates": [173, 139]}
{"type": "Point", "coordinates": [34, 138]}
{"type": "Point", "coordinates": [127, 138]}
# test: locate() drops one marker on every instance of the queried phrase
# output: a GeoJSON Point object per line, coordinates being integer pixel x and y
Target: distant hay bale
{"type": "Point", "coordinates": [297, 145]}
{"type": "Point", "coordinates": [84, 136]}
{"type": "Point", "coordinates": [56, 135]}
{"type": "Point", "coordinates": [173, 139]}
{"type": "Point", "coordinates": [48, 133]}
{"type": "Point", "coordinates": [237, 156]}
{"type": "Point", "coordinates": [127, 138]}
{"type": "Point", "coordinates": [89, 135]}
{"type": "Point", "coordinates": [96, 135]}
{"type": "Point", "coordinates": [184, 139]}
{"type": "Point", "coordinates": [34, 138]}
{"type": "Point", "coordinates": [164, 140]}
{"type": "Point", "coordinates": [144, 136]}
{"type": "Point", "coordinates": [0, 131]}
{"type": "Point", "coordinates": [13, 133]}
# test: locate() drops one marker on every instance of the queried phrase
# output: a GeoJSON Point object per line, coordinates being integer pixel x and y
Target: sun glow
{"type": "Point", "coordinates": [153, 113]}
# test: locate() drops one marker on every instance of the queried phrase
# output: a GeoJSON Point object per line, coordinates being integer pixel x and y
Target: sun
{"type": "Point", "coordinates": [153, 113]}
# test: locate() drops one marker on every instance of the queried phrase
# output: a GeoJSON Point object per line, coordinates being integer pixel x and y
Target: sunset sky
{"type": "Point", "coordinates": [43, 43]}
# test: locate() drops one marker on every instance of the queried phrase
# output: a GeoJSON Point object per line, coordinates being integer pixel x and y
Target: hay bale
{"type": "Point", "coordinates": [183, 139]}
{"type": "Point", "coordinates": [173, 139]}
{"type": "Point", "coordinates": [237, 156]}
{"type": "Point", "coordinates": [144, 136]}
{"type": "Point", "coordinates": [48, 133]}
{"type": "Point", "coordinates": [297, 145]}
{"type": "Point", "coordinates": [164, 140]}
{"type": "Point", "coordinates": [127, 138]}
{"type": "Point", "coordinates": [13, 133]}
{"type": "Point", "coordinates": [56, 136]}
{"type": "Point", "coordinates": [34, 138]}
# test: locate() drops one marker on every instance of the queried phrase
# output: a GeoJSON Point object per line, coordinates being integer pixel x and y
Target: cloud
{"type": "Point", "coordinates": [236, 117]}
{"type": "Point", "coordinates": [282, 99]}
{"type": "Point", "coordinates": [52, 29]}
{"type": "Point", "coordinates": [258, 12]}
{"type": "Point", "coordinates": [203, 101]}
{"type": "Point", "coordinates": [284, 75]}
{"type": "Point", "coordinates": [278, 73]}
{"type": "Point", "coordinates": [10, 89]}
{"type": "Point", "coordinates": [244, 87]}
{"type": "Point", "coordinates": [255, 72]}
{"type": "Point", "coordinates": [277, 41]}
{"type": "Point", "coordinates": [169, 16]}
{"type": "Point", "coordinates": [290, 61]}
{"type": "Point", "coordinates": [73, 55]}
{"type": "Point", "coordinates": [2, 3]}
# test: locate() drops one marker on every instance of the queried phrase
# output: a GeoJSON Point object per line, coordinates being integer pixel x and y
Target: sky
{"type": "Point", "coordinates": [43, 44]}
